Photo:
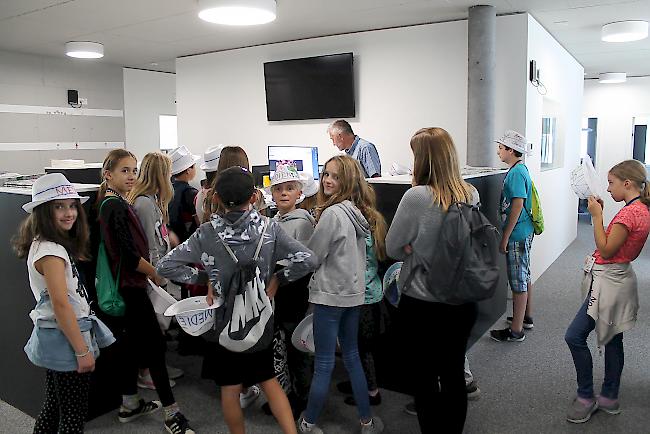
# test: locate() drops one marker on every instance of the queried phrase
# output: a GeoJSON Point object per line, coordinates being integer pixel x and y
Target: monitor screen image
{"type": "Point", "coordinates": [303, 158]}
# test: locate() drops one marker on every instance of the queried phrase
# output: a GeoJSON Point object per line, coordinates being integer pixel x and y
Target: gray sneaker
{"type": "Point", "coordinates": [303, 427]}
{"type": "Point", "coordinates": [375, 426]}
{"type": "Point", "coordinates": [579, 412]}
{"type": "Point", "coordinates": [614, 408]}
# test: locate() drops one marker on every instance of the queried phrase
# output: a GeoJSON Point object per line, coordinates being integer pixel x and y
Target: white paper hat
{"type": "Point", "coordinates": [303, 336]}
{"type": "Point", "coordinates": [182, 159]}
{"type": "Point", "coordinates": [284, 174]}
{"type": "Point", "coordinates": [211, 158]}
{"type": "Point", "coordinates": [514, 140]}
{"type": "Point", "coordinates": [389, 285]}
{"type": "Point", "coordinates": [193, 314]}
{"type": "Point", "coordinates": [53, 186]}
{"type": "Point", "coordinates": [309, 184]}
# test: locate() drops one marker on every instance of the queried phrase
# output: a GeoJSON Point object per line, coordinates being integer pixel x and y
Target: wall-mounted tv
{"type": "Point", "coordinates": [310, 88]}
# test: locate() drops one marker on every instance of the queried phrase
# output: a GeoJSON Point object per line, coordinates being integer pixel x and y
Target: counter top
{"type": "Point", "coordinates": [81, 188]}
{"type": "Point", "coordinates": [467, 173]}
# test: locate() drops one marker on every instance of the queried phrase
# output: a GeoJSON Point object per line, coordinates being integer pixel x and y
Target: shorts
{"type": "Point", "coordinates": [229, 368]}
{"type": "Point", "coordinates": [518, 264]}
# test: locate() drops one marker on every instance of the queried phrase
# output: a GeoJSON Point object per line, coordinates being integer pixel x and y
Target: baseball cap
{"type": "Point", "coordinates": [235, 186]}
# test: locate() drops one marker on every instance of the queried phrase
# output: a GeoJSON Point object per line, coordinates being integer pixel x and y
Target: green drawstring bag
{"type": "Point", "coordinates": [536, 212]}
{"type": "Point", "coordinates": [108, 294]}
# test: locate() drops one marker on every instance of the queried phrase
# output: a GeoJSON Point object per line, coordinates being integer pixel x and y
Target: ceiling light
{"type": "Point", "coordinates": [625, 31]}
{"type": "Point", "coordinates": [237, 12]}
{"type": "Point", "coordinates": [612, 77]}
{"type": "Point", "coordinates": [84, 50]}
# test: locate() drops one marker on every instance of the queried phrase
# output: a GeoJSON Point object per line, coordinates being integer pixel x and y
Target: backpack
{"type": "Point", "coordinates": [535, 212]}
{"type": "Point", "coordinates": [464, 268]}
{"type": "Point", "coordinates": [108, 295]}
{"type": "Point", "coordinates": [244, 322]}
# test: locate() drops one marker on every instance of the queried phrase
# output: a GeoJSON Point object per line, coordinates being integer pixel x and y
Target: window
{"type": "Point", "coordinates": [168, 132]}
{"type": "Point", "coordinates": [551, 141]}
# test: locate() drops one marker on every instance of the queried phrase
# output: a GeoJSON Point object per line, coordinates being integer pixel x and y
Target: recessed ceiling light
{"type": "Point", "coordinates": [237, 12]}
{"type": "Point", "coordinates": [154, 64]}
{"type": "Point", "coordinates": [625, 31]}
{"type": "Point", "coordinates": [84, 50]}
{"type": "Point", "coordinates": [612, 77]}
{"type": "Point", "coordinates": [561, 23]}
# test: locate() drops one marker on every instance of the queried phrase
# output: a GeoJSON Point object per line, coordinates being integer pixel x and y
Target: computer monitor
{"type": "Point", "coordinates": [304, 158]}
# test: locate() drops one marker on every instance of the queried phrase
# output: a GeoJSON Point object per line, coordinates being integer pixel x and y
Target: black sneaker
{"type": "Point", "coordinates": [528, 322]}
{"type": "Point", "coordinates": [374, 400]}
{"type": "Point", "coordinates": [507, 335]}
{"type": "Point", "coordinates": [126, 415]}
{"type": "Point", "coordinates": [410, 409]}
{"type": "Point", "coordinates": [178, 424]}
{"type": "Point", "coordinates": [473, 392]}
{"type": "Point", "coordinates": [344, 387]}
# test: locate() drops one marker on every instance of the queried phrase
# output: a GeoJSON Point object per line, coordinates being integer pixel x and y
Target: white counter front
{"type": "Point", "coordinates": [467, 173]}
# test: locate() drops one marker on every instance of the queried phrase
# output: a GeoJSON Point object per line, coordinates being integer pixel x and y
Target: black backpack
{"type": "Point", "coordinates": [244, 322]}
{"type": "Point", "coordinates": [464, 267]}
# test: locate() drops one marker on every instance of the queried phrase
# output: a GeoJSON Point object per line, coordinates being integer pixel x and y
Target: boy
{"type": "Point", "coordinates": [240, 228]}
{"type": "Point", "coordinates": [292, 302]}
{"type": "Point", "coordinates": [517, 235]}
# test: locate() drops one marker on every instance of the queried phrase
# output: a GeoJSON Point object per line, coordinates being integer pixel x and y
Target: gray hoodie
{"type": "Point", "coordinates": [298, 224]}
{"type": "Point", "coordinates": [339, 242]}
{"type": "Point", "coordinates": [151, 219]}
{"type": "Point", "coordinates": [241, 231]}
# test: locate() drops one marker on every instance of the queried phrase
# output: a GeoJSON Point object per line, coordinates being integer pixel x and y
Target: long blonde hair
{"type": "Point", "coordinates": [634, 171]}
{"type": "Point", "coordinates": [110, 163]}
{"type": "Point", "coordinates": [436, 165]}
{"type": "Point", "coordinates": [154, 178]}
{"type": "Point", "coordinates": [354, 187]}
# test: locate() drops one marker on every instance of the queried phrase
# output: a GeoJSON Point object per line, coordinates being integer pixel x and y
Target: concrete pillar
{"type": "Point", "coordinates": [481, 65]}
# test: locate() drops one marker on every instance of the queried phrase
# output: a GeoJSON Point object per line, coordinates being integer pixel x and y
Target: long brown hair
{"type": "Point", "coordinates": [634, 171]}
{"type": "Point", "coordinates": [354, 187]}
{"type": "Point", "coordinates": [40, 225]}
{"type": "Point", "coordinates": [231, 156]}
{"type": "Point", "coordinates": [111, 161]}
{"type": "Point", "coordinates": [154, 178]}
{"type": "Point", "coordinates": [436, 165]}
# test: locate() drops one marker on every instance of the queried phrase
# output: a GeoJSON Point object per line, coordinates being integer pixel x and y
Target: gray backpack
{"type": "Point", "coordinates": [464, 267]}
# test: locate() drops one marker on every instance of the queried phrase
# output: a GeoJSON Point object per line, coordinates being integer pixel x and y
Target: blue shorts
{"type": "Point", "coordinates": [518, 264]}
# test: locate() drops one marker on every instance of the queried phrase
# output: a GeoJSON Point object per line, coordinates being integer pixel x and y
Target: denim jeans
{"type": "Point", "coordinates": [329, 323]}
{"type": "Point", "coordinates": [576, 339]}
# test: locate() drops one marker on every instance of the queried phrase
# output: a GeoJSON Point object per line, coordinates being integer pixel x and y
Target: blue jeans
{"type": "Point", "coordinates": [576, 338]}
{"type": "Point", "coordinates": [329, 323]}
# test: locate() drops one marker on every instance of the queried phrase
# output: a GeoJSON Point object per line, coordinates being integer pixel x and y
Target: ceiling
{"type": "Point", "coordinates": [150, 34]}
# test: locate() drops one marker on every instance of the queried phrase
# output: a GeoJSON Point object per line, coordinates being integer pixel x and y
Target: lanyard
{"type": "Point", "coordinates": [633, 200]}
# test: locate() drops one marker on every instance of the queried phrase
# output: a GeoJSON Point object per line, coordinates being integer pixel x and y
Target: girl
{"type": "Point", "coordinates": [438, 382]}
{"type": "Point", "coordinates": [66, 334]}
{"type": "Point", "coordinates": [141, 341]}
{"type": "Point", "coordinates": [610, 285]}
{"type": "Point", "coordinates": [337, 288]}
{"type": "Point", "coordinates": [150, 198]}
{"type": "Point", "coordinates": [310, 191]}
{"type": "Point", "coordinates": [210, 165]}
{"type": "Point", "coordinates": [230, 156]}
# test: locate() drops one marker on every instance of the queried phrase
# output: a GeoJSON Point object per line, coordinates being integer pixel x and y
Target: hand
{"type": "Point", "coordinates": [86, 363]}
{"type": "Point", "coordinates": [210, 297]}
{"type": "Point", "coordinates": [595, 206]}
{"type": "Point", "coordinates": [158, 280]}
{"type": "Point", "coordinates": [173, 239]}
{"type": "Point", "coordinates": [408, 249]}
{"type": "Point", "coordinates": [272, 287]}
{"type": "Point", "coordinates": [503, 245]}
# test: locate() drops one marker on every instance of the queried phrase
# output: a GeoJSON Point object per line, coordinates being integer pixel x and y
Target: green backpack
{"type": "Point", "coordinates": [108, 294]}
{"type": "Point", "coordinates": [535, 211]}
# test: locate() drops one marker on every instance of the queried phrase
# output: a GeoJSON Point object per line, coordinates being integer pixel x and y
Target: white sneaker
{"type": "Point", "coordinates": [145, 382]}
{"type": "Point", "coordinates": [375, 426]}
{"type": "Point", "coordinates": [303, 426]}
{"type": "Point", "coordinates": [174, 373]}
{"type": "Point", "coordinates": [246, 399]}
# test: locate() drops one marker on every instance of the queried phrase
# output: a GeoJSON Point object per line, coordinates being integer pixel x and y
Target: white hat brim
{"type": "Point", "coordinates": [29, 206]}
{"type": "Point", "coordinates": [195, 159]}
{"type": "Point", "coordinates": [299, 336]}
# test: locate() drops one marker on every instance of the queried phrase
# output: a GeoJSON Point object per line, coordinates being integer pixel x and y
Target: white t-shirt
{"type": "Point", "coordinates": [77, 295]}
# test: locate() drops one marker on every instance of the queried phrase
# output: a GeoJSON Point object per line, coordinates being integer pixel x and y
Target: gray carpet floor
{"type": "Point", "coordinates": [526, 387]}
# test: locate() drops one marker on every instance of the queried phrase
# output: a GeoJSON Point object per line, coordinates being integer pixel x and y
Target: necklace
{"type": "Point", "coordinates": [110, 190]}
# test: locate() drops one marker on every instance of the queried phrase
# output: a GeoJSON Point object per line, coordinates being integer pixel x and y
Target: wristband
{"type": "Point", "coordinates": [83, 354]}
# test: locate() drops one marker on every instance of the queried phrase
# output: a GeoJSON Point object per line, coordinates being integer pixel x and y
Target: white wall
{"type": "Point", "coordinates": [615, 106]}
{"type": "Point", "coordinates": [28, 80]}
{"type": "Point", "coordinates": [406, 79]}
{"type": "Point", "coordinates": [147, 95]}
{"type": "Point", "coordinates": [563, 76]}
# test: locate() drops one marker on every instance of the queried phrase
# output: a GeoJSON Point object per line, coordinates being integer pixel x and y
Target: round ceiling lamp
{"type": "Point", "coordinates": [84, 50]}
{"type": "Point", "coordinates": [237, 12]}
{"type": "Point", "coordinates": [625, 31]}
{"type": "Point", "coordinates": [612, 77]}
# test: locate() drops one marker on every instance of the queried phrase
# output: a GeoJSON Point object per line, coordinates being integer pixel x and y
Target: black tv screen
{"type": "Point", "coordinates": [310, 88]}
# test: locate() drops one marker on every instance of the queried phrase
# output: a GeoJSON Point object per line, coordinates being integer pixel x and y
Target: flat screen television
{"type": "Point", "coordinates": [303, 158]}
{"type": "Point", "coordinates": [310, 88]}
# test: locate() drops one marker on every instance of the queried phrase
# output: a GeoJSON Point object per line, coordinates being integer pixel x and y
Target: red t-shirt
{"type": "Point", "coordinates": [636, 218]}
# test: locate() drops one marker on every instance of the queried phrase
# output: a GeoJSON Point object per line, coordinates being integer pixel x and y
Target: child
{"type": "Point", "coordinates": [370, 316]}
{"type": "Point", "coordinates": [182, 212]}
{"type": "Point", "coordinates": [139, 337]}
{"type": "Point", "coordinates": [610, 286]}
{"type": "Point", "coordinates": [240, 228]}
{"type": "Point", "coordinates": [66, 333]}
{"type": "Point", "coordinates": [210, 166]}
{"type": "Point", "coordinates": [309, 191]}
{"type": "Point", "coordinates": [230, 156]}
{"type": "Point", "coordinates": [150, 197]}
{"type": "Point", "coordinates": [338, 286]}
{"type": "Point", "coordinates": [292, 302]}
{"type": "Point", "coordinates": [437, 382]}
{"type": "Point", "coordinates": [517, 237]}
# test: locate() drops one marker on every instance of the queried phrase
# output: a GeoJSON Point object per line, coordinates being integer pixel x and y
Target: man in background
{"type": "Point", "coordinates": [361, 150]}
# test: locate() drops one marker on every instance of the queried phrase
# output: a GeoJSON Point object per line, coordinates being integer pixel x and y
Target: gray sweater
{"type": "Point", "coordinates": [339, 242]}
{"type": "Point", "coordinates": [417, 222]}
{"type": "Point", "coordinates": [298, 224]}
{"type": "Point", "coordinates": [151, 219]}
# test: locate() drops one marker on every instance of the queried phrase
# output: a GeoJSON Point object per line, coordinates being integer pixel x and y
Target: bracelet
{"type": "Point", "coordinates": [83, 354]}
